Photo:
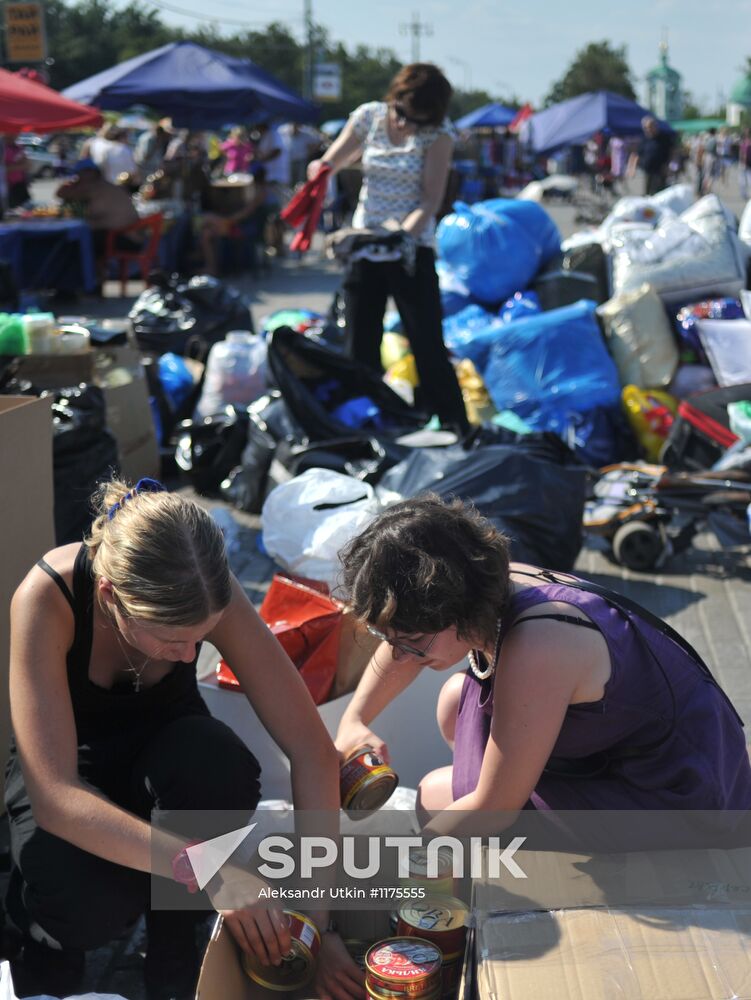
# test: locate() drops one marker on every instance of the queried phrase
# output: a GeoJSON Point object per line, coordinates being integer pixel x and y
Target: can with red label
{"type": "Point", "coordinates": [366, 781]}
{"type": "Point", "coordinates": [440, 919]}
{"type": "Point", "coordinates": [297, 966]}
{"type": "Point", "coordinates": [403, 968]}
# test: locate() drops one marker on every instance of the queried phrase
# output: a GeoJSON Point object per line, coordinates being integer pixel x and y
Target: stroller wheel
{"type": "Point", "coordinates": [637, 546]}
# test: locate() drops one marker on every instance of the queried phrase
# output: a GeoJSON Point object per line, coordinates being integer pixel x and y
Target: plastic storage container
{"type": "Point", "coordinates": [235, 373]}
{"type": "Point", "coordinates": [12, 334]}
{"type": "Point", "coordinates": [40, 329]}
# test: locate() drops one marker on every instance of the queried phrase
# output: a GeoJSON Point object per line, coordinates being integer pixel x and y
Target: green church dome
{"type": "Point", "coordinates": [741, 92]}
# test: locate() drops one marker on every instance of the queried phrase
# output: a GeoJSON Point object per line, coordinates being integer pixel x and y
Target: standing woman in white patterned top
{"type": "Point", "coordinates": [406, 143]}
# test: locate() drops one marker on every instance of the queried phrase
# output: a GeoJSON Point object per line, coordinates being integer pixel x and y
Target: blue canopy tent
{"type": "Point", "coordinates": [196, 86]}
{"type": "Point", "coordinates": [488, 116]}
{"type": "Point", "coordinates": [574, 121]}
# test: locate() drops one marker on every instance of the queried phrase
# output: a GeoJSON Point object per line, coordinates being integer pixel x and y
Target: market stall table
{"type": "Point", "coordinates": [49, 253]}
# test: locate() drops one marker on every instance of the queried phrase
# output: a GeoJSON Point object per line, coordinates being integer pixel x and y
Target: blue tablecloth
{"type": "Point", "coordinates": [51, 253]}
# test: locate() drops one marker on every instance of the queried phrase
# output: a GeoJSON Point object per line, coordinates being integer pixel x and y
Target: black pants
{"type": "Point", "coordinates": [366, 290]}
{"type": "Point", "coordinates": [194, 762]}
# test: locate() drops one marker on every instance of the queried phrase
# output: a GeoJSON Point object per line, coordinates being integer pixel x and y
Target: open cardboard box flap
{"type": "Point", "coordinates": [663, 925]}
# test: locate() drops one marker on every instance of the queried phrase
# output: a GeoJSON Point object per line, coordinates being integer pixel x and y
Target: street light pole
{"type": "Point", "coordinates": [309, 54]}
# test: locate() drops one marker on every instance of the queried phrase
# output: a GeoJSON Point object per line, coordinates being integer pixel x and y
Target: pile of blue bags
{"type": "Point", "coordinates": [550, 368]}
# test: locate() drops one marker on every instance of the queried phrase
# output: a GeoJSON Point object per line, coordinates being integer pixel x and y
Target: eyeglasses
{"type": "Point", "coordinates": [400, 644]}
{"type": "Point", "coordinates": [402, 118]}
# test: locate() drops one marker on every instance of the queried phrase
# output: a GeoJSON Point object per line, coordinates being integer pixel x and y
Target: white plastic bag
{"type": "Point", "coordinates": [307, 520]}
{"type": "Point", "coordinates": [694, 254]}
{"type": "Point", "coordinates": [727, 343]}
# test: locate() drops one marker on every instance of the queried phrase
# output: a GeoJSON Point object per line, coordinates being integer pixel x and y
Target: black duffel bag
{"type": "Point", "coordinates": [301, 367]}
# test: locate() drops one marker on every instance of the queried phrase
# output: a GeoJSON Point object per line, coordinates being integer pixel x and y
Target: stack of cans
{"type": "Point", "coordinates": [442, 920]}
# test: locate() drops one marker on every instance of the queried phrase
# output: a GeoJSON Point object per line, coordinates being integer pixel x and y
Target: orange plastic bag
{"type": "Point", "coordinates": [308, 625]}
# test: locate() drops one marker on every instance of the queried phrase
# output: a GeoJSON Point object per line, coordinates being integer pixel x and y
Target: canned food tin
{"type": "Point", "coordinates": [443, 882]}
{"type": "Point", "coordinates": [440, 919]}
{"type": "Point", "coordinates": [376, 993]}
{"type": "Point", "coordinates": [451, 974]}
{"type": "Point", "coordinates": [297, 966]}
{"type": "Point", "coordinates": [403, 966]}
{"type": "Point", "coordinates": [365, 780]}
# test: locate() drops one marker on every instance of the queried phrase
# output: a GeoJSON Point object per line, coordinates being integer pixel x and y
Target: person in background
{"type": "Point", "coordinates": [150, 148]}
{"type": "Point", "coordinates": [406, 144]}
{"type": "Point", "coordinates": [618, 159]}
{"type": "Point", "coordinates": [271, 151]}
{"type": "Point", "coordinates": [246, 223]}
{"type": "Point", "coordinates": [105, 206]}
{"type": "Point", "coordinates": [238, 152]}
{"type": "Point", "coordinates": [109, 725]}
{"type": "Point", "coordinates": [744, 164]}
{"type": "Point", "coordinates": [711, 164]}
{"type": "Point", "coordinates": [300, 143]}
{"type": "Point", "coordinates": [653, 156]}
{"type": "Point", "coordinates": [16, 173]}
{"type": "Point", "coordinates": [119, 162]}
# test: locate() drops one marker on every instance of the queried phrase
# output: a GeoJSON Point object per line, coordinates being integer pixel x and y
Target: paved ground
{"type": "Point", "coordinates": [705, 594]}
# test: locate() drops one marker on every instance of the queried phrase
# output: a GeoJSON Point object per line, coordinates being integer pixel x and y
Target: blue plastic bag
{"type": "Point", "coordinates": [176, 378]}
{"type": "Point", "coordinates": [535, 222]}
{"type": "Point", "coordinates": [454, 293]}
{"type": "Point", "coordinates": [490, 253]}
{"type": "Point", "coordinates": [471, 332]}
{"type": "Point", "coordinates": [545, 367]}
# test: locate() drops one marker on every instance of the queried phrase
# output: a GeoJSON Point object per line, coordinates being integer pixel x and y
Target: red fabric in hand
{"type": "Point", "coordinates": [304, 209]}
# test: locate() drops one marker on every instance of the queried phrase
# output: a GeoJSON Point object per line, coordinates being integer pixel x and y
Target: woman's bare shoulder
{"type": "Point", "coordinates": [38, 585]}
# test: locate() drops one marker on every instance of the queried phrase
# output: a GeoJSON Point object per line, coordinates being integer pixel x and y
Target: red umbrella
{"type": "Point", "coordinates": [27, 106]}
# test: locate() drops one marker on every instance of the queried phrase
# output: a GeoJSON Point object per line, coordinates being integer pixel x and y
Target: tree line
{"type": "Point", "coordinates": [88, 36]}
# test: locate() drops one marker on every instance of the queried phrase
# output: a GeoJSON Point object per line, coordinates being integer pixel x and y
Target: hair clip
{"type": "Point", "coordinates": [144, 485]}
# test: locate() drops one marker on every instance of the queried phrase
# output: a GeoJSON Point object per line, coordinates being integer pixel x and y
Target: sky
{"type": "Point", "coordinates": [522, 47]}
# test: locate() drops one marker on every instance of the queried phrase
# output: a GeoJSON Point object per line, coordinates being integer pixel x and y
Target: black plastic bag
{"type": "Point", "coordinates": [539, 504]}
{"type": "Point", "coordinates": [188, 316]}
{"type": "Point", "coordinates": [301, 365]}
{"type": "Point", "coordinates": [84, 452]}
{"type": "Point", "coordinates": [208, 449]}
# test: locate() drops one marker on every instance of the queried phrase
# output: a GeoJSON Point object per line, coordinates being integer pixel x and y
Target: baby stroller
{"type": "Point", "coordinates": [648, 514]}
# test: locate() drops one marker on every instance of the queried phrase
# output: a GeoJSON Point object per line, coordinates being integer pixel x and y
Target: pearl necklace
{"type": "Point", "coordinates": [473, 656]}
{"type": "Point", "coordinates": [134, 670]}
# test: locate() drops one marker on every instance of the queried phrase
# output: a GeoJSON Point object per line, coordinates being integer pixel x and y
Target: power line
{"type": "Point", "coordinates": [183, 12]}
{"type": "Point", "coordinates": [416, 28]}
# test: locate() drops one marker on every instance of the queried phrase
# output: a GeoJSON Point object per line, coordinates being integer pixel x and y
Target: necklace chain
{"type": "Point", "coordinates": [473, 656]}
{"type": "Point", "coordinates": [137, 685]}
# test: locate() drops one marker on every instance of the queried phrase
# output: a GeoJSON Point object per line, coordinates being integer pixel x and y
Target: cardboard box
{"type": "Point", "coordinates": [118, 370]}
{"type": "Point", "coordinates": [659, 953]}
{"type": "Point", "coordinates": [663, 925]}
{"type": "Point", "coordinates": [26, 522]}
{"type": "Point", "coordinates": [57, 371]}
{"type": "Point", "coordinates": [222, 976]}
